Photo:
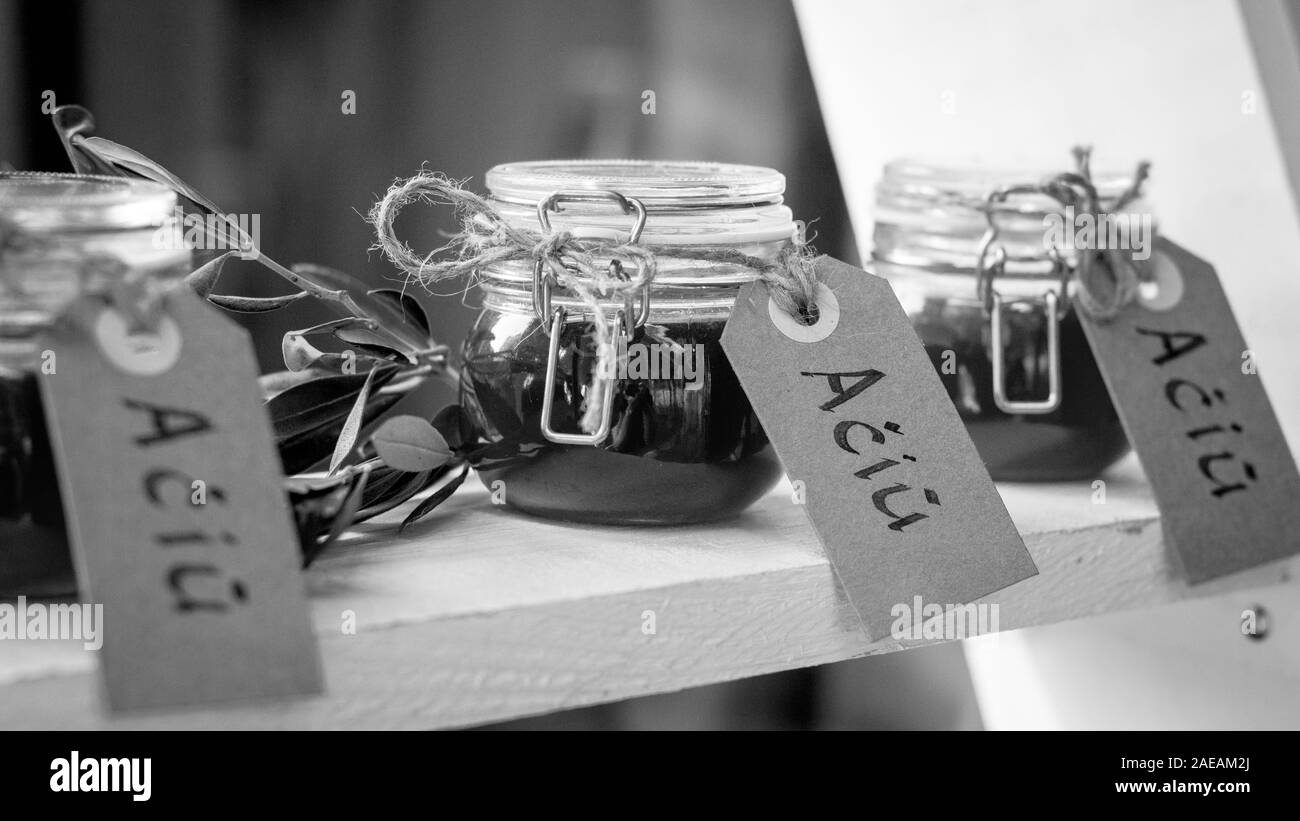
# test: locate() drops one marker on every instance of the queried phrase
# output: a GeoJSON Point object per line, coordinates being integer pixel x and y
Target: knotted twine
{"type": "Point", "coordinates": [1103, 290]}
{"type": "Point", "coordinates": [581, 265]}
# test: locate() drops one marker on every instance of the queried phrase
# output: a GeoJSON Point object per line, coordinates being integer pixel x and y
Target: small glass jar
{"type": "Point", "coordinates": [1011, 354]}
{"type": "Point", "coordinates": [61, 235]}
{"type": "Point", "coordinates": [683, 444]}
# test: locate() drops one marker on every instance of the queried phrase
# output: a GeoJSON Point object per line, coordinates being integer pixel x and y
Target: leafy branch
{"type": "Point", "coordinates": [323, 402]}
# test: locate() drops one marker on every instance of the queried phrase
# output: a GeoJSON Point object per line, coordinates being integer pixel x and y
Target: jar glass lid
{"type": "Point", "coordinates": [659, 185]}
{"type": "Point", "coordinates": [36, 201]}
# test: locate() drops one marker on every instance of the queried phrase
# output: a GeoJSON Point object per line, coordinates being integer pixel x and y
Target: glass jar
{"type": "Point", "coordinates": [682, 443]}
{"type": "Point", "coordinates": [1011, 354]}
{"type": "Point", "coordinates": [61, 235]}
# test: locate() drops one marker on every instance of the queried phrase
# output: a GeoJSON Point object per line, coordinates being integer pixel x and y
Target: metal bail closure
{"type": "Point", "coordinates": [625, 323]}
{"type": "Point", "coordinates": [598, 436]}
{"type": "Point", "coordinates": [544, 280]}
{"type": "Point", "coordinates": [990, 262]}
{"type": "Point", "coordinates": [998, 355]}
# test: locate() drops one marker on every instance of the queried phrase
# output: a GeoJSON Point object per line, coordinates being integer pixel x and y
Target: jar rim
{"type": "Point", "coordinates": [931, 183]}
{"type": "Point", "coordinates": [48, 201]}
{"type": "Point", "coordinates": [659, 184]}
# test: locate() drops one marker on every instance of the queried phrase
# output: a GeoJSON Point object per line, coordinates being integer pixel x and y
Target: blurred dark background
{"type": "Point", "coordinates": [244, 100]}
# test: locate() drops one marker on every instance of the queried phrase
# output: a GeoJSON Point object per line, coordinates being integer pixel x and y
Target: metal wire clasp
{"type": "Point", "coordinates": [544, 280]}
{"type": "Point", "coordinates": [991, 262]}
{"type": "Point", "coordinates": [625, 322]}
{"type": "Point", "coordinates": [597, 436]}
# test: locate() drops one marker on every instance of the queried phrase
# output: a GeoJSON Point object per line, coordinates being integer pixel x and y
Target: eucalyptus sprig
{"type": "Point", "coordinates": [324, 400]}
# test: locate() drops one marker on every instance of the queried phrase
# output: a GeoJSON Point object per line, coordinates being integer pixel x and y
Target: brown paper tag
{"type": "Point", "coordinates": [891, 481]}
{"type": "Point", "coordinates": [1195, 410]}
{"type": "Point", "coordinates": [179, 524]}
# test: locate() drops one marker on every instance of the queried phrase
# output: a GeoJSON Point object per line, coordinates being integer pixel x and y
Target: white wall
{"type": "Point", "coordinates": [1157, 79]}
{"type": "Point", "coordinates": [1173, 81]}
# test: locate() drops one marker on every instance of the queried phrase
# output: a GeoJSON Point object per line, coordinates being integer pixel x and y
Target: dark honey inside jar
{"type": "Point", "coordinates": [930, 224]}
{"type": "Point", "coordinates": [683, 443]}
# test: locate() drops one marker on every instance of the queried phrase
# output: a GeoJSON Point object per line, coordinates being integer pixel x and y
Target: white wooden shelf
{"type": "Point", "coordinates": [479, 614]}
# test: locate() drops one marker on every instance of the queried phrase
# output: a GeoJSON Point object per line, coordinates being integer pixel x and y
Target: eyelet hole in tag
{"type": "Point", "coordinates": [828, 316]}
{"type": "Point", "coordinates": [139, 353]}
{"type": "Point", "coordinates": [1165, 290]}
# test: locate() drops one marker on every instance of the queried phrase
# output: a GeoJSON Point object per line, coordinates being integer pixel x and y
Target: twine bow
{"type": "Point", "coordinates": [1103, 289]}
{"type": "Point", "coordinates": [581, 265]}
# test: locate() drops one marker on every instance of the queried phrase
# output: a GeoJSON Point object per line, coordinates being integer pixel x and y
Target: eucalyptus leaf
{"type": "Point", "coordinates": [352, 426]}
{"type": "Point", "coordinates": [392, 309]}
{"type": "Point", "coordinates": [410, 443]}
{"type": "Point", "coordinates": [335, 324]}
{"type": "Point", "coordinates": [403, 306]}
{"type": "Point", "coordinates": [306, 486]}
{"type": "Point", "coordinates": [204, 278]}
{"type": "Point", "coordinates": [318, 505]}
{"type": "Point", "coordinates": [456, 427]}
{"type": "Point", "coordinates": [372, 341]}
{"type": "Point", "coordinates": [439, 496]}
{"type": "Point", "coordinates": [276, 382]}
{"type": "Point", "coordinates": [73, 122]}
{"type": "Point", "coordinates": [385, 483]}
{"type": "Point", "coordinates": [400, 490]}
{"type": "Point", "coordinates": [133, 161]}
{"type": "Point", "coordinates": [347, 514]}
{"type": "Point", "coordinates": [254, 304]}
{"type": "Point", "coordinates": [350, 362]}
{"type": "Point", "coordinates": [397, 328]}
{"type": "Point", "coordinates": [331, 277]}
{"type": "Point", "coordinates": [306, 407]}
{"type": "Point", "coordinates": [312, 448]}
{"type": "Point", "coordinates": [298, 353]}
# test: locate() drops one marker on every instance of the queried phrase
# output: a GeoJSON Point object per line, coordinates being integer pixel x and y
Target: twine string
{"type": "Point", "coordinates": [581, 265]}
{"type": "Point", "coordinates": [1108, 280]}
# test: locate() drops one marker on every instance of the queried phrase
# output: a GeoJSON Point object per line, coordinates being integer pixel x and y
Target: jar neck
{"type": "Point", "coordinates": [668, 304]}
{"type": "Point", "coordinates": [710, 226]}
{"type": "Point", "coordinates": [935, 219]}
{"type": "Point", "coordinates": [38, 283]}
{"type": "Point", "coordinates": [689, 279]}
{"type": "Point", "coordinates": [914, 284]}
